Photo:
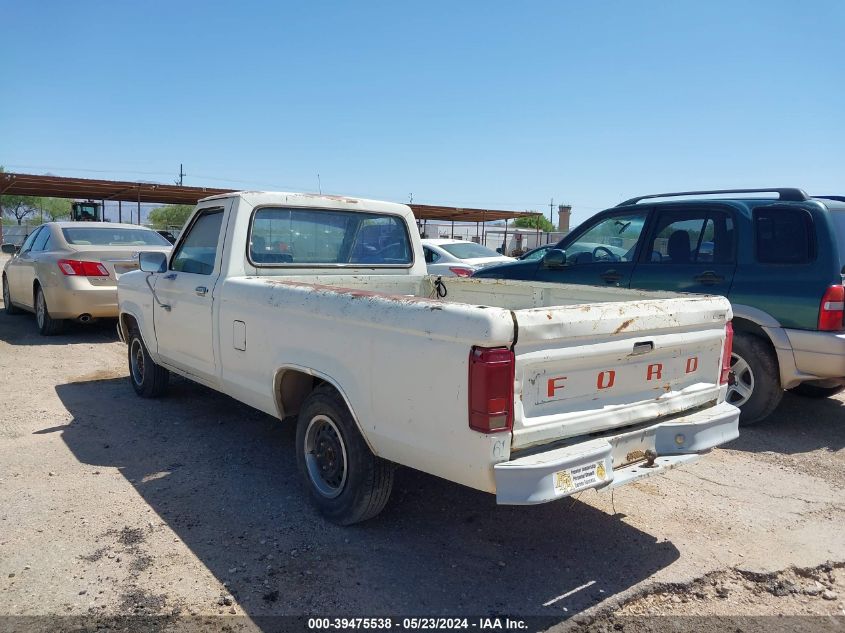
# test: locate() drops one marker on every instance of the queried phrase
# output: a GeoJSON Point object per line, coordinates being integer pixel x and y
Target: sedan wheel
{"type": "Point", "coordinates": [7, 299]}
{"type": "Point", "coordinates": [47, 325]}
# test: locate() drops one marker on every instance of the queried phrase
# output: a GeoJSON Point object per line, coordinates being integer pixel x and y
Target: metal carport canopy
{"type": "Point", "coordinates": [126, 191]}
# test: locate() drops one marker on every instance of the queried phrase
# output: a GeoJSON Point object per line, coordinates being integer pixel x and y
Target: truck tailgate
{"type": "Point", "coordinates": [589, 368]}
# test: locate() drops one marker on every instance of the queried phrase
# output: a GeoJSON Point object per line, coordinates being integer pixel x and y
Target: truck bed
{"type": "Point", "coordinates": [588, 358]}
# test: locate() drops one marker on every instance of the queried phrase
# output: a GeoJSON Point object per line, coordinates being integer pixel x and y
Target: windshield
{"type": "Point", "coordinates": [611, 239]}
{"type": "Point", "coordinates": [468, 250]}
{"type": "Point", "coordinates": [107, 236]}
{"type": "Point", "coordinates": [324, 237]}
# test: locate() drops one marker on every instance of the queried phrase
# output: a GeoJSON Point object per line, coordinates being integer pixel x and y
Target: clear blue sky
{"type": "Point", "coordinates": [492, 104]}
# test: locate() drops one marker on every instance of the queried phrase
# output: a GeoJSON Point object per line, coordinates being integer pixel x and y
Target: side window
{"type": "Point", "coordinates": [40, 243]}
{"type": "Point", "coordinates": [784, 236]}
{"type": "Point", "coordinates": [430, 256]}
{"type": "Point", "coordinates": [27, 244]}
{"type": "Point", "coordinates": [612, 239]}
{"type": "Point", "coordinates": [692, 237]}
{"type": "Point", "coordinates": [198, 251]}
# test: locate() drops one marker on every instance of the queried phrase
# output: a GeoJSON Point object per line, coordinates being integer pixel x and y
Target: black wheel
{"type": "Point", "coordinates": [345, 481]}
{"type": "Point", "coordinates": [756, 390]}
{"type": "Point", "coordinates": [809, 390]}
{"type": "Point", "coordinates": [47, 325]}
{"type": "Point", "coordinates": [148, 379]}
{"type": "Point", "coordinates": [7, 299]}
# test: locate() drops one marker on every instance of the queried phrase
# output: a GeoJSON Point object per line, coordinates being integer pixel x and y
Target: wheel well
{"type": "Point", "coordinates": [292, 388]}
{"type": "Point", "coordinates": [126, 322]}
{"type": "Point", "coordinates": [35, 285]}
{"type": "Point", "coordinates": [749, 327]}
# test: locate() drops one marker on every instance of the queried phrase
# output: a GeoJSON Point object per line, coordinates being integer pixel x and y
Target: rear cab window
{"type": "Point", "coordinates": [282, 236]}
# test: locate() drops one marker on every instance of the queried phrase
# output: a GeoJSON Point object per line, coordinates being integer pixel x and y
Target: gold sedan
{"type": "Point", "coordinates": [69, 270]}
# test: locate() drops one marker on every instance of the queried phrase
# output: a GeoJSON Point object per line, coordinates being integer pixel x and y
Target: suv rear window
{"type": "Point", "coordinates": [784, 236]}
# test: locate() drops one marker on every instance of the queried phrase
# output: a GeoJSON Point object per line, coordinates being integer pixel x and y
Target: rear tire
{"type": "Point", "coordinates": [148, 379]}
{"type": "Point", "coordinates": [7, 299]}
{"type": "Point", "coordinates": [345, 481]}
{"type": "Point", "coordinates": [757, 391]}
{"type": "Point", "coordinates": [47, 325]}
{"type": "Point", "coordinates": [808, 390]}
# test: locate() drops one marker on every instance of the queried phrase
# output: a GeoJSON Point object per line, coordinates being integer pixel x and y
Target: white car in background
{"type": "Point", "coordinates": [459, 258]}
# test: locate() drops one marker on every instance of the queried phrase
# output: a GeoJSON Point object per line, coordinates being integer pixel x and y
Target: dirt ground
{"type": "Point", "coordinates": [191, 505]}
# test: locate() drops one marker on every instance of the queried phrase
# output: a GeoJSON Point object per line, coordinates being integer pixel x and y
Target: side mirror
{"type": "Point", "coordinates": [152, 262]}
{"type": "Point", "coordinates": [554, 258]}
{"type": "Point", "coordinates": [10, 249]}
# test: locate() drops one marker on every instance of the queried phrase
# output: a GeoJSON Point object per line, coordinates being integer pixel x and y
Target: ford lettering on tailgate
{"type": "Point", "coordinates": [664, 374]}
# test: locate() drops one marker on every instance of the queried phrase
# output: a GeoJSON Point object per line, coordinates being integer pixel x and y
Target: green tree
{"type": "Point", "coordinates": [534, 222]}
{"type": "Point", "coordinates": [17, 207]}
{"type": "Point", "coordinates": [55, 208]}
{"type": "Point", "coordinates": [170, 215]}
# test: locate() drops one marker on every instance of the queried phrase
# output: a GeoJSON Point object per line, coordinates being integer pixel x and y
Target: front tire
{"type": "Point", "coordinates": [809, 390]}
{"type": "Point", "coordinates": [47, 325]}
{"type": "Point", "coordinates": [7, 299]}
{"type": "Point", "coordinates": [757, 391]}
{"type": "Point", "coordinates": [148, 379]}
{"type": "Point", "coordinates": [345, 481]}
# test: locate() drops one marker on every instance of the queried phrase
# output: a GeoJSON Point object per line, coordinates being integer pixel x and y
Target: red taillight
{"type": "Point", "coordinates": [461, 272]}
{"type": "Point", "coordinates": [491, 389]}
{"type": "Point", "coordinates": [83, 269]}
{"type": "Point", "coordinates": [832, 310]}
{"type": "Point", "coordinates": [726, 353]}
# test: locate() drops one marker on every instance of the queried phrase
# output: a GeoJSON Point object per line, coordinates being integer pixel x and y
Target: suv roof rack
{"type": "Point", "coordinates": [788, 194]}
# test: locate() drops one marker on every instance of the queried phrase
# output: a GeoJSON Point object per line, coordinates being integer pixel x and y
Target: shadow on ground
{"type": "Point", "coordinates": [21, 329]}
{"type": "Point", "coordinates": [223, 477]}
{"type": "Point", "coordinates": [798, 425]}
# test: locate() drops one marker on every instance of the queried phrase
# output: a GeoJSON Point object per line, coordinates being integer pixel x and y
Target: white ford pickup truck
{"type": "Point", "coordinates": [319, 309]}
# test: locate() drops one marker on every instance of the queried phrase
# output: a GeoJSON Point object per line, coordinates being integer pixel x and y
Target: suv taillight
{"type": "Point", "coordinates": [726, 353]}
{"type": "Point", "coordinates": [491, 371]}
{"type": "Point", "coordinates": [832, 310]}
{"type": "Point", "coordinates": [73, 267]}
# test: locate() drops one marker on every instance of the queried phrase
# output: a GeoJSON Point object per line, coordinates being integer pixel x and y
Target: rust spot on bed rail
{"type": "Point", "coordinates": [624, 326]}
{"type": "Point", "coordinates": [354, 293]}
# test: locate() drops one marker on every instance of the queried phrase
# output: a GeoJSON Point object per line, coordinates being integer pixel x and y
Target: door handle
{"type": "Point", "coordinates": [170, 276]}
{"type": "Point", "coordinates": [201, 290]}
{"type": "Point", "coordinates": [611, 276]}
{"type": "Point", "coordinates": [709, 278]}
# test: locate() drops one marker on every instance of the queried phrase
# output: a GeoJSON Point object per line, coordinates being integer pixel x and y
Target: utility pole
{"type": "Point", "coordinates": [319, 185]}
{"type": "Point", "coordinates": [182, 174]}
{"type": "Point", "coordinates": [410, 198]}
{"type": "Point", "coordinates": [551, 210]}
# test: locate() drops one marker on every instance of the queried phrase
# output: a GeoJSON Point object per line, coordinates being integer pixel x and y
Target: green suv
{"type": "Point", "coordinates": [780, 260]}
